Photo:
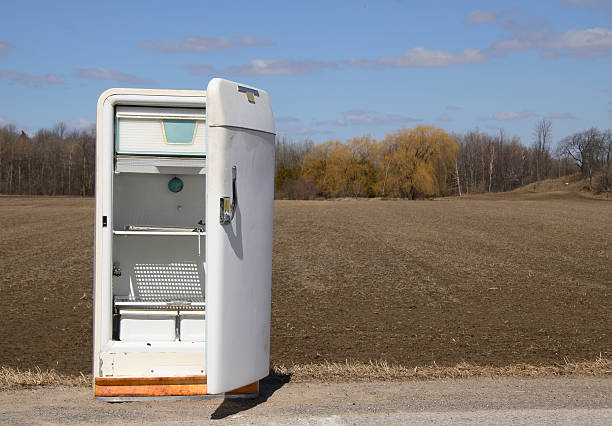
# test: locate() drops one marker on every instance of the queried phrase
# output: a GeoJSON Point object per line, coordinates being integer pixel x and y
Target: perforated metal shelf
{"type": "Point", "coordinates": [165, 285]}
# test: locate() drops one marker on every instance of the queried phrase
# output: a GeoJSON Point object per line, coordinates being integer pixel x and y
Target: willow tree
{"type": "Point", "coordinates": [342, 169]}
{"type": "Point", "coordinates": [416, 162]}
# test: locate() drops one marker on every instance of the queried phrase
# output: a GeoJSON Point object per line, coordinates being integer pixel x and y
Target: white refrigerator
{"type": "Point", "coordinates": [183, 242]}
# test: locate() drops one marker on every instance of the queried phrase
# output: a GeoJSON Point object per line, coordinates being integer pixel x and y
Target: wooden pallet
{"type": "Point", "coordinates": [125, 387]}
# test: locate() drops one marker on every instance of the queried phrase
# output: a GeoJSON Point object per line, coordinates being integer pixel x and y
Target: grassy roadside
{"type": "Point", "coordinates": [12, 379]}
{"type": "Point", "coordinates": [382, 371]}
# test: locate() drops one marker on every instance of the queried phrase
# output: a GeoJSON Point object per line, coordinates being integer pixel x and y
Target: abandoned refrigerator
{"type": "Point", "coordinates": [183, 242]}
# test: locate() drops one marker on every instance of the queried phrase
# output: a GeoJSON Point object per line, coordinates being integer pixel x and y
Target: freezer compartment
{"type": "Point", "coordinates": [160, 165]}
{"type": "Point", "coordinates": [192, 326]}
{"type": "Point", "coordinates": [147, 326]}
{"type": "Point", "coordinates": [160, 131]}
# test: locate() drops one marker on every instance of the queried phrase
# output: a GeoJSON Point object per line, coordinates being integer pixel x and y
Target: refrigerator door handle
{"type": "Point", "coordinates": [228, 207]}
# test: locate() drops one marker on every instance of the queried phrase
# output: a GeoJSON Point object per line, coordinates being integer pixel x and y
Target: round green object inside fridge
{"type": "Point", "coordinates": [175, 184]}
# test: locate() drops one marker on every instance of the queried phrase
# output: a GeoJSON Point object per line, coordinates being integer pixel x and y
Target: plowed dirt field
{"type": "Point", "coordinates": [492, 280]}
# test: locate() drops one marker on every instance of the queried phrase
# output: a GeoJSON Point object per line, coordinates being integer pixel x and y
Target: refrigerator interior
{"type": "Point", "coordinates": [158, 248]}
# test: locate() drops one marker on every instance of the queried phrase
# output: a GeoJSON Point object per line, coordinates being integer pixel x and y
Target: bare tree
{"type": "Point", "coordinates": [47, 163]}
{"type": "Point", "coordinates": [491, 152]}
{"type": "Point", "coordinates": [585, 149]}
{"type": "Point", "coordinates": [60, 161]}
{"type": "Point", "coordinates": [60, 129]}
{"type": "Point", "coordinates": [541, 146]}
{"type": "Point", "coordinates": [606, 160]}
{"type": "Point", "coordinates": [457, 179]}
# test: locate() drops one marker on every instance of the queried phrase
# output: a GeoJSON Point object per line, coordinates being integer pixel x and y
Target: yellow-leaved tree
{"type": "Point", "coordinates": [415, 162]}
{"type": "Point", "coordinates": [343, 169]}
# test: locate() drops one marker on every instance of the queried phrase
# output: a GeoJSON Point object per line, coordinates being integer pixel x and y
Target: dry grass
{"type": "Point", "coordinates": [573, 185]}
{"type": "Point", "coordinates": [360, 371]}
{"type": "Point", "coordinates": [14, 378]}
{"type": "Point", "coordinates": [355, 371]}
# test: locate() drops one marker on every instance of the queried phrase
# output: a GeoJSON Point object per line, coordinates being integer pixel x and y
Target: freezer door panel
{"type": "Point", "coordinates": [239, 251]}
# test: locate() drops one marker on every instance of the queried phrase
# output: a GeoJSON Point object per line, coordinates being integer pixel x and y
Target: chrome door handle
{"type": "Point", "coordinates": [228, 207]}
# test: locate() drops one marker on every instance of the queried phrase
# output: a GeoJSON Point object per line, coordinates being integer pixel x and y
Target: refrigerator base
{"type": "Point", "coordinates": [122, 389]}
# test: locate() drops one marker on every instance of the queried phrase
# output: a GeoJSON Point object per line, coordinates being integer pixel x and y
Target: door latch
{"type": "Point", "coordinates": [116, 269]}
{"type": "Point", "coordinates": [228, 206]}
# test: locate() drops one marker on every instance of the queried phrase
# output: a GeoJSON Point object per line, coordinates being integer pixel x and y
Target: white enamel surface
{"type": "Point", "coordinates": [164, 165]}
{"type": "Point", "coordinates": [144, 199]}
{"type": "Point", "coordinates": [238, 322]}
{"type": "Point", "coordinates": [239, 255]}
{"type": "Point", "coordinates": [152, 359]}
{"type": "Point", "coordinates": [104, 203]}
{"type": "Point", "coordinates": [192, 326]}
{"type": "Point", "coordinates": [147, 261]}
{"type": "Point", "coordinates": [147, 326]}
{"type": "Point", "coordinates": [152, 112]}
{"type": "Point", "coordinates": [227, 106]}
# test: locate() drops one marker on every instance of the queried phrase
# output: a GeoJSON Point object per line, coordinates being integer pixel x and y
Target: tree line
{"type": "Point", "coordinates": [420, 162]}
{"type": "Point", "coordinates": [51, 162]}
{"type": "Point", "coordinates": [426, 161]}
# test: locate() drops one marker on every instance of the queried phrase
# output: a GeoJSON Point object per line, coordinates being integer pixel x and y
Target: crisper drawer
{"type": "Point", "coordinates": [141, 326]}
{"type": "Point", "coordinates": [160, 131]}
{"type": "Point", "coordinates": [192, 326]}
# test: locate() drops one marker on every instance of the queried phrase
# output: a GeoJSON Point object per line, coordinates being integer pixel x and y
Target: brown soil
{"type": "Point", "coordinates": [492, 280]}
{"type": "Point", "coordinates": [46, 282]}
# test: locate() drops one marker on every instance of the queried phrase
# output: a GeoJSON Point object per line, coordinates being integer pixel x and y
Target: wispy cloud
{"type": "Point", "coordinates": [290, 126]}
{"type": "Point", "coordinates": [335, 122]}
{"type": "Point", "coordinates": [417, 57]}
{"type": "Point", "coordinates": [4, 121]}
{"type": "Point", "coordinates": [604, 6]}
{"type": "Point", "coordinates": [294, 130]}
{"type": "Point", "coordinates": [421, 57]}
{"type": "Point", "coordinates": [286, 119]}
{"type": "Point", "coordinates": [4, 47]}
{"type": "Point", "coordinates": [80, 124]}
{"type": "Point", "coordinates": [101, 73]}
{"type": "Point", "coordinates": [267, 67]}
{"type": "Point", "coordinates": [30, 80]}
{"type": "Point", "coordinates": [368, 118]}
{"type": "Point", "coordinates": [359, 63]}
{"type": "Point", "coordinates": [512, 115]}
{"type": "Point", "coordinates": [513, 44]}
{"type": "Point", "coordinates": [477, 17]}
{"type": "Point", "coordinates": [593, 42]}
{"type": "Point", "coordinates": [201, 69]}
{"type": "Point", "coordinates": [480, 17]}
{"type": "Point", "coordinates": [587, 43]}
{"type": "Point", "coordinates": [532, 36]}
{"type": "Point", "coordinates": [445, 117]}
{"type": "Point", "coordinates": [301, 131]}
{"type": "Point", "coordinates": [560, 116]}
{"type": "Point", "coordinates": [280, 67]}
{"type": "Point", "coordinates": [528, 36]}
{"type": "Point", "coordinates": [203, 44]}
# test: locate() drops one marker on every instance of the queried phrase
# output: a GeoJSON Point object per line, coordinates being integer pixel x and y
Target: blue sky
{"type": "Point", "coordinates": [334, 70]}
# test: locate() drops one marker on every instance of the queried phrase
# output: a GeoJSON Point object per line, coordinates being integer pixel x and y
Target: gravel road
{"type": "Point", "coordinates": [503, 400]}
